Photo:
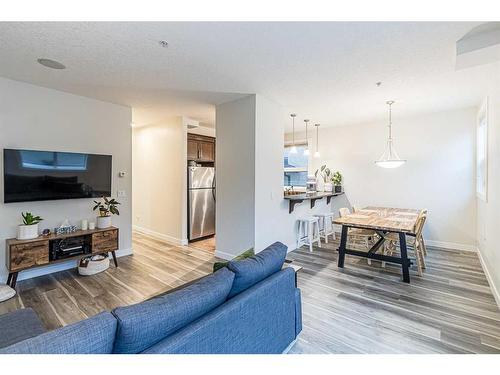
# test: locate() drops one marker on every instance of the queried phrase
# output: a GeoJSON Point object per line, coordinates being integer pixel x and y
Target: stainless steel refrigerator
{"type": "Point", "coordinates": [201, 202]}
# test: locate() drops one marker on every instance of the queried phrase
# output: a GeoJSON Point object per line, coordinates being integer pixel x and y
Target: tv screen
{"type": "Point", "coordinates": [46, 175]}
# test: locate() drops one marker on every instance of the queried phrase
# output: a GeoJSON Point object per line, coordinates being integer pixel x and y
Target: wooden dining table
{"type": "Point", "coordinates": [381, 220]}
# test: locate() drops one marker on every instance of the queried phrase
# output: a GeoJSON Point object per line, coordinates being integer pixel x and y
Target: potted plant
{"type": "Point", "coordinates": [323, 181]}
{"type": "Point", "coordinates": [29, 228]}
{"type": "Point", "coordinates": [106, 208]}
{"type": "Point", "coordinates": [337, 181]}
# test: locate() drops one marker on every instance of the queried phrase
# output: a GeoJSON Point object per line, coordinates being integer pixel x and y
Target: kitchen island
{"type": "Point", "coordinates": [295, 198]}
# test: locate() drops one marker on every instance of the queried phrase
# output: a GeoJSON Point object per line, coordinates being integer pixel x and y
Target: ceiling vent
{"type": "Point", "coordinates": [479, 46]}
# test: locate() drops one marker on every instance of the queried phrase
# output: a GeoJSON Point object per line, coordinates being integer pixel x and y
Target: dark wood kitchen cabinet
{"type": "Point", "coordinates": [200, 148]}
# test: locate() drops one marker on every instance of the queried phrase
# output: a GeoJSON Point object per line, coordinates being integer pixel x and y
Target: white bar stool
{"type": "Point", "coordinates": [308, 232]}
{"type": "Point", "coordinates": [326, 225]}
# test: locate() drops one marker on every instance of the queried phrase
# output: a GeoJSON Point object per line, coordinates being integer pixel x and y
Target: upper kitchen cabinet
{"type": "Point", "coordinates": [200, 148]}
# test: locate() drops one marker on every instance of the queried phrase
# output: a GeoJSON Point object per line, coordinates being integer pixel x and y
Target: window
{"type": "Point", "coordinates": [295, 166]}
{"type": "Point", "coordinates": [482, 152]}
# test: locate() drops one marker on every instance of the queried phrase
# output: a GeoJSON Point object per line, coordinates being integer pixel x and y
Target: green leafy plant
{"type": "Point", "coordinates": [337, 179]}
{"type": "Point", "coordinates": [29, 219]}
{"type": "Point", "coordinates": [324, 172]}
{"type": "Point", "coordinates": [107, 207]}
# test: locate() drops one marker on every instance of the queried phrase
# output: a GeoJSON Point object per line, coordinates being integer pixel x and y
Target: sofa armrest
{"type": "Point", "coordinates": [19, 325]}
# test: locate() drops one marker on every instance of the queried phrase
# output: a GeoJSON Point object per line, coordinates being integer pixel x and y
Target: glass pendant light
{"type": "Point", "coordinates": [293, 149]}
{"type": "Point", "coordinates": [316, 154]}
{"type": "Point", "coordinates": [306, 150]}
{"type": "Point", "coordinates": [390, 158]}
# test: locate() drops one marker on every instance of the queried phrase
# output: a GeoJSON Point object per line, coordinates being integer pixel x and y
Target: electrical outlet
{"type": "Point", "coordinates": [121, 194]}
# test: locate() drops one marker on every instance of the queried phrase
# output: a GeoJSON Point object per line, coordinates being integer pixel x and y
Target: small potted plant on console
{"type": "Point", "coordinates": [29, 228]}
{"type": "Point", "coordinates": [106, 208]}
{"type": "Point", "coordinates": [337, 182]}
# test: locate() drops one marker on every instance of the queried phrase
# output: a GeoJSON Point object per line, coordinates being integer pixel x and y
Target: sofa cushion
{"type": "Point", "coordinates": [251, 270]}
{"type": "Point", "coordinates": [19, 325]}
{"type": "Point", "coordinates": [246, 254]}
{"type": "Point", "coordinates": [90, 336]}
{"type": "Point", "coordinates": [146, 323]}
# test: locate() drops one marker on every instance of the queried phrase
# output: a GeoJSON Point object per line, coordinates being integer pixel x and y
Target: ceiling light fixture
{"type": "Point", "coordinates": [316, 154]}
{"type": "Point", "coordinates": [306, 150]}
{"type": "Point", "coordinates": [163, 43]}
{"type": "Point", "coordinates": [293, 149]}
{"type": "Point", "coordinates": [390, 158]}
{"type": "Point", "coordinates": [51, 64]}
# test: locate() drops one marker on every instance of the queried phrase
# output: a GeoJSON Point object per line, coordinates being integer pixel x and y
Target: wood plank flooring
{"type": "Point", "coordinates": [358, 309]}
{"type": "Point", "coordinates": [367, 309]}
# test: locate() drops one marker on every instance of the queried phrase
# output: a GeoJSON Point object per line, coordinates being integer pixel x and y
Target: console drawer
{"type": "Point", "coordinates": [105, 241]}
{"type": "Point", "coordinates": [28, 255]}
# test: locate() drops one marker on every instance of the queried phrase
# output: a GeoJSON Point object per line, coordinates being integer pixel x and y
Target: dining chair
{"type": "Point", "coordinates": [364, 236]}
{"type": "Point", "coordinates": [416, 243]}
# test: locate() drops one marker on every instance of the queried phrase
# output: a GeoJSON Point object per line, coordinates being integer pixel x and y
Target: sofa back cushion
{"type": "Point", "coordinates": [250, 271]}
{"type": "Point", "coordinates": [145, 324]}
{"type": "Point", "coordinates": [90, 336]}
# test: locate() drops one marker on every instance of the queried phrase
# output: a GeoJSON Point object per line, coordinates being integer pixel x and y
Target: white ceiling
{"type": "Point", "coordinates": [324, 71]}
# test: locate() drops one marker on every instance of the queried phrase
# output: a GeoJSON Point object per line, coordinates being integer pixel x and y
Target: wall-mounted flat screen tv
{"type": "Point", "coordinates": [46, 175]}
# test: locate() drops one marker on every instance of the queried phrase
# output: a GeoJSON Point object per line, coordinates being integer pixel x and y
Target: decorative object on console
{"type": "Point", "coordinates": [337, 181]}
{"type": "Point", "coordinates": [106, 207]}
{"type": "Point", "coordinates": [93, 264]}
{"type": "Point", "coordinates": [91, 225]}
{"type": "Point", "coordinates": [65, 228]}
{"type": "Point", "coordinates": [85, 224]}
{"type": "Point", "coordinates": [29, 229]}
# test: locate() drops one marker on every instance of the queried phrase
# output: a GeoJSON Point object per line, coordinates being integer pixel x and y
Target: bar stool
{"type": "Point", "coordinates": [308, 232]}
{"type": "Point", "coordinates": [326, 225]}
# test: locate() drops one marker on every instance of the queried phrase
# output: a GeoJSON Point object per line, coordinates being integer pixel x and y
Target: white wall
{"type": "Point", "coordinates": [33, 117]}
{"type": "Point", "coordinates": [159, 157]}
{"type": "Point", "coordinates": [439, 174]}
{"type": "Point", "coordinates": [235, 176]}
{"type": "Point", "coordinates": [488, 213]}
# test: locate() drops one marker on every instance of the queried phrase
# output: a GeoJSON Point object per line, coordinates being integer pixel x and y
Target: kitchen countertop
{"type": "Point", "coordinates": [294, 199]}
{"type": "Point", "coordinates": [316, 195]}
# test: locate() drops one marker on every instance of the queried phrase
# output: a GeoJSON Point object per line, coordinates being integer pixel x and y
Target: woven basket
{"type": "Point", "coordinates": [93, 265]}
{"type": "Point", "coordinates": [6, 292]}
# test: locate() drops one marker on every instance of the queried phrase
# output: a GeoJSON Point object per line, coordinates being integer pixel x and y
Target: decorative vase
{"type": "Point", "coordinates": [338, 188]}
{"type": "Point", "coordinates": [328, 187]}
{"type": "Point", "coordinates": [103, 222]}
{"type": "Point", "coordinates": [27, 232]}
{"type": "Point", "coordinates": [320, 184]}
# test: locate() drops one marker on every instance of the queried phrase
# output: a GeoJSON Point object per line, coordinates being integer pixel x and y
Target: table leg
{"type": "Point", "coordinates": [343, 243]}
{"type": "Point", "coordinates": [9, 278]}
{"type": "Point", "coordinates": [114, 258]}
{"type": "Point", "coordinates": [405, 262]}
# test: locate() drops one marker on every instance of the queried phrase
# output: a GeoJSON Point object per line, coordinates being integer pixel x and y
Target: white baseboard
{"type": "Point", "coordinates": [451, 245]}
{"type": "Point", "coordinates": [223, 255]}
{"type": "Point", "coordinates": [160, 236]}
{"type": "Point", "coordinates": [487, 273]}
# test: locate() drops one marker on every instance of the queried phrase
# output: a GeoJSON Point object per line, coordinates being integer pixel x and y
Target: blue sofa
{"type": "Point", "coordinates": [250, 306]}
